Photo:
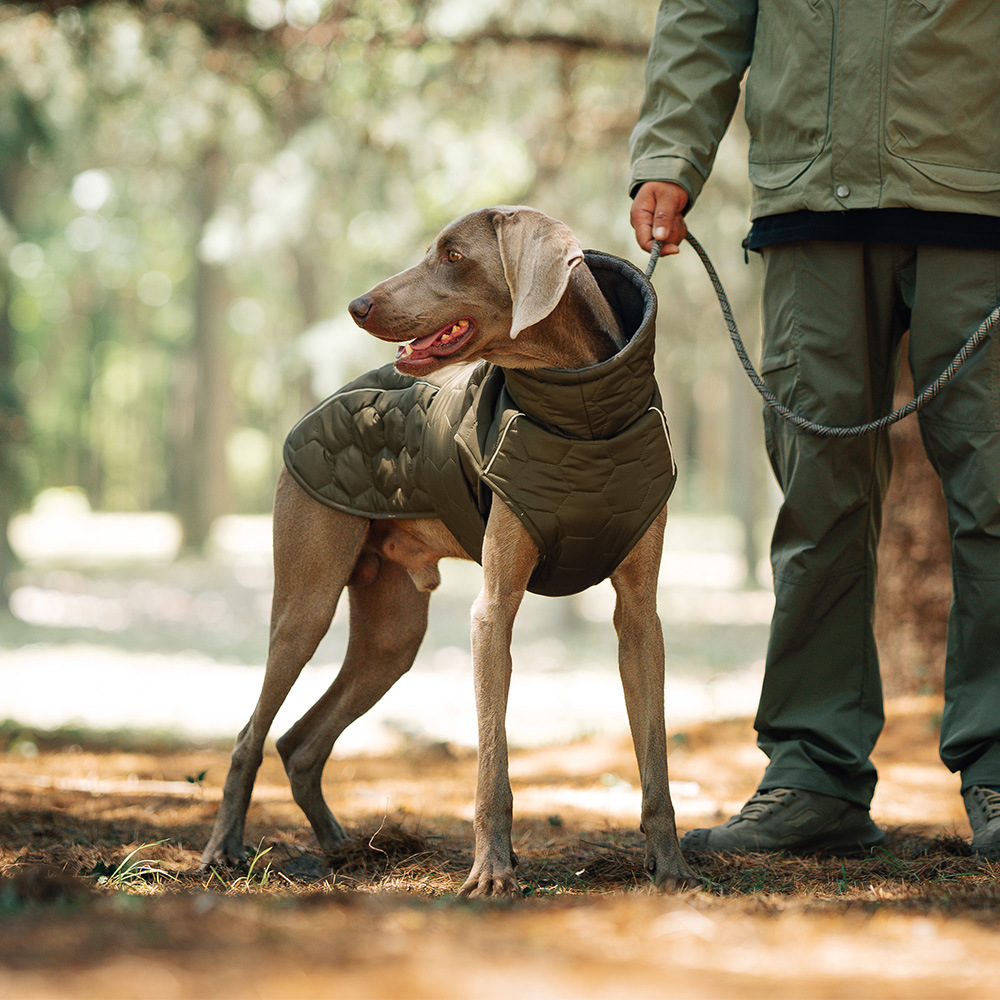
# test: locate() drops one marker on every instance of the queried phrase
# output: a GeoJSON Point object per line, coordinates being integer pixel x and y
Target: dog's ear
{"type": "Point", "coordinates": [538, 254]}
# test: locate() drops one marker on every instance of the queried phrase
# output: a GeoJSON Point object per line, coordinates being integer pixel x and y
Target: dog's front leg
{"type": "Point", "coordinates": [509, 556]}
{"type": "Point", "coordinates": [641, 663]}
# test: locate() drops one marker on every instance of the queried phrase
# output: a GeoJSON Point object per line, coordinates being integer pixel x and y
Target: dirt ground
{"type": "Point", "coordinates": [84, 916]}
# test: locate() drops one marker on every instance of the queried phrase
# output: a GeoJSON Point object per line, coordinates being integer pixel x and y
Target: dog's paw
{"type": "Point", "coordinates": [680, 883]}
{"type": "Point", "coordinates": [491, 880]}
{"type": "Point", "coordinates": [671, 873]}
{"type": "Point", "coordinates": [223, 857]}
{"type": "Point", "coordinates": [499, 886]}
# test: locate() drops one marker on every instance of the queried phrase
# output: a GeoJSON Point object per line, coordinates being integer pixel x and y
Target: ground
{"type": "Point", "coordinates": [84, 916]}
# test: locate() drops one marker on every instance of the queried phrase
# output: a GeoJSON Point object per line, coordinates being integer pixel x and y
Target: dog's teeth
{"type": "Point", "coordinates": [407, 350]}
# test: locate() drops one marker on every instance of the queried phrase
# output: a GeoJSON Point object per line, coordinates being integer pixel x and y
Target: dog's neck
{"type": "Point", "coordinates": [581, 331]}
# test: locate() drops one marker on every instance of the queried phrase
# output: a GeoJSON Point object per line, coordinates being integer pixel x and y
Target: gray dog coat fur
{"type": "Point", "coordinates": [581, 456]}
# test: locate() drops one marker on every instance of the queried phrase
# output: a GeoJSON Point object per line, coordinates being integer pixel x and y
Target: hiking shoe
{"type": "Point", "coordinates": [983, 806]}
{"type": "Point", "coordinates": [791, 819]}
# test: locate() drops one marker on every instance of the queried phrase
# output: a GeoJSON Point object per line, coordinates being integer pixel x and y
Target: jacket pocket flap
{"type": "Point", "coordinates": [957, 178]}
{"type": "Point", "coordinates": [772, 176]}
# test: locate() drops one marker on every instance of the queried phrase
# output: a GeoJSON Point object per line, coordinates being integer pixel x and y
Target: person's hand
{"type": "Point", "coordinates": [656, 215]}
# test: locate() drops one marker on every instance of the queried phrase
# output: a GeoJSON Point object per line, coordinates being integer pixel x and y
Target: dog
{"type": "Point", "coordinates": [510, 289]}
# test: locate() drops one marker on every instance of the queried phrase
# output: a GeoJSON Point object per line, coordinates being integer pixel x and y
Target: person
{"type": "Point", "coordinates": [875, 163]}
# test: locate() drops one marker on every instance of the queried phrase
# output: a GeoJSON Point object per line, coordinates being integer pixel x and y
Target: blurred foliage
{"type": "Point", "coordinates": [192, 192]}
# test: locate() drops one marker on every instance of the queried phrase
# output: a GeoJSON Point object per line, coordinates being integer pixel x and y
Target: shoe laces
{"type": "Point", "coordinates": [989, 799]}
{"type": "Point", "coordinates": [762, 802]}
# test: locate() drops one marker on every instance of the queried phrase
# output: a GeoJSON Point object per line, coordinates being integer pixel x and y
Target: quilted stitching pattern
{"type": "Point", "coordinates": [584, 534]}
{"type": "Point", "coordinates": [369, 441]}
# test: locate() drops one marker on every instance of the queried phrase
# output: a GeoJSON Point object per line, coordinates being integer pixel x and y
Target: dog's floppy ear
{"type": "Point", "coordinates": [538, 254]}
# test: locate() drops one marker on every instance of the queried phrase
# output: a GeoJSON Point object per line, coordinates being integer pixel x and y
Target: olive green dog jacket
{"type": "Point", "coordinates": [581, 456]}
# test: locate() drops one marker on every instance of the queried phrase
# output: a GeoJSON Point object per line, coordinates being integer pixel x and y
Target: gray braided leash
{"type": "Point", "coordinates": [822, 430]}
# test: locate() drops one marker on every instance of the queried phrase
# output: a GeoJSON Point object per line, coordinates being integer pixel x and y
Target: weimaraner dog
{"type": "Point", "coordinates": [507, 285]}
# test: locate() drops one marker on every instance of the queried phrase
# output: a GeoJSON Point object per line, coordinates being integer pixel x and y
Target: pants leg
{"type": "Point", "coordinates": [833, 317]}
{"type": "Point", "coordinates": [954, 291]}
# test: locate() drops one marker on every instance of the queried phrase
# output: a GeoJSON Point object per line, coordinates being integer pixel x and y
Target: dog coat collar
{"type": "Point", "coordinates": [581, 456]}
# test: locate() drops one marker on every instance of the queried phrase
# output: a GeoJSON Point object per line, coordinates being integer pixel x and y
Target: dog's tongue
{"type": "Point", "coordinates": [419, 348]}
{"type": "Point", "coordinates": [424, 343]}
{"type": "Point", "coordinates": [443, 342]}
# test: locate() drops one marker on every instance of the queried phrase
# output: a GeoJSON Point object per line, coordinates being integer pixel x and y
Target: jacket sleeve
{"type": "Point", "coordinates": [699, 53]}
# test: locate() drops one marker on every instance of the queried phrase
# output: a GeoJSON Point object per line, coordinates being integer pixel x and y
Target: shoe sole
{"type": "Point", "coordinates": [838, 847]}
{"type": "Point", "coordinates": [833, 846]}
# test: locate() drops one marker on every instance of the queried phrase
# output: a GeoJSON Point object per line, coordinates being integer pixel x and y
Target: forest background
{"type": "Point", "coordinates": [191, 193]}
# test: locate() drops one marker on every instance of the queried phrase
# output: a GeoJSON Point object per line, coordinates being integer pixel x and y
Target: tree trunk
{"type": "Point", "coordinates": [13, 421]}
{"type": "Point", "coordinates": [914, 591]}
{"type": "Point", "coordinates": [202, 405]}
{"type": "Point", "coordinates": [13, 430]}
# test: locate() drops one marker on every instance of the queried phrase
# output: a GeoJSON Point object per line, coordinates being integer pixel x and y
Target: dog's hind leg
{"type": "Point", "coordinates": [315, 551]}
{"type": "Point", "coordinates": [388, 622]}
{"type": "Point", "coordinates": [641, 663]}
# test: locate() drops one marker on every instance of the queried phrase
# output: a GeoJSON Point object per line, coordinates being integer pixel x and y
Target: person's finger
{"type": "Point", "coordinates": [657, 214]}
{"type": "Point", "coordinates": [641, 216]}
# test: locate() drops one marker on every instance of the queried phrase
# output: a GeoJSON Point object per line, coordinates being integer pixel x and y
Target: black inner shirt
{"type": "Point", "coordinates": [878, 225]}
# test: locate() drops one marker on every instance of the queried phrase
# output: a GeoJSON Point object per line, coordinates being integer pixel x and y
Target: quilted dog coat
{"type": "Point", "coordinates": [581, 456]}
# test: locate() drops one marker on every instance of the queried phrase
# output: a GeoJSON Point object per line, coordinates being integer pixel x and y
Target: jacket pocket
{"type": "Point", "coordinates": [942, 110]}
{"type": "Point", "coordinates": [788, 89]}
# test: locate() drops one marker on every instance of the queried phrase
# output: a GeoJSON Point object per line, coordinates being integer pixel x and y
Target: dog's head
{"type": "Point", "coordinates": [488, 276]}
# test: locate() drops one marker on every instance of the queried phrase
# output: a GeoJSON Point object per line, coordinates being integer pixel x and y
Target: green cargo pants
{"type": "Point", "coordinates": [833, 316]}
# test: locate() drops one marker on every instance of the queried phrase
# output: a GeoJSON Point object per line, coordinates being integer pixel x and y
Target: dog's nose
{"type": "Point", "coordinates": [361, 308]}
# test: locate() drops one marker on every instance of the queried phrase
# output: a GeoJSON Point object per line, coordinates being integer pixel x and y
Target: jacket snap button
{"type": "Point", "coordinates": [843, 190]}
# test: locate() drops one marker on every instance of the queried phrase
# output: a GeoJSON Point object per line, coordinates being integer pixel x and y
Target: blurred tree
{"type": "Point", "coordinates": [22, 127]}
{"type": "Point", "coordinates": [344, 135]}
{"type": "Point", "coordinates": [201, 484]}
{"type": "Point", "coordinates": [188, 190]}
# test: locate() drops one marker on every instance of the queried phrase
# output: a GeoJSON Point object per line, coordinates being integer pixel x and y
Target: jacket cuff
{"type": "Point", "coordinates": [673, 169]}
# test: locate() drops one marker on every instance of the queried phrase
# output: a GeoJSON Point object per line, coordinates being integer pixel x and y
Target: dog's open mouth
{"type": "Point", "coordinates": [446, 341]}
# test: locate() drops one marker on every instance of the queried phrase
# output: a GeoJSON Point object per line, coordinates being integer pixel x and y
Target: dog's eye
{"type": "Point", "coordinates": [454, 256]}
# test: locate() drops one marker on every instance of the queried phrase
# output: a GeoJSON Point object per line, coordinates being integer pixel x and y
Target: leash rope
{"type": "Point", "coordinates": [810, 426]}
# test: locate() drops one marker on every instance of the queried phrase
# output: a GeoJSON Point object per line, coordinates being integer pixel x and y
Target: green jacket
{"type": "Point", "coordinates": [850, 103]}
{"type": "Point", "coordinates": [581, 456]}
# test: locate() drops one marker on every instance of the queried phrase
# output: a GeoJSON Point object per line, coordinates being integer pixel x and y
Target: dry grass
{"type": "Point", "coordinates": [923, 874]}
{"type": "Point", "coordinates": [100, 893]}
{"type": "Point", "coordinates": [105, 844]}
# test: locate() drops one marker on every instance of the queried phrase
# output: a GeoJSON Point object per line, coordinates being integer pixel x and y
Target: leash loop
{"type": "Point", "coordinates": [810, 426]}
